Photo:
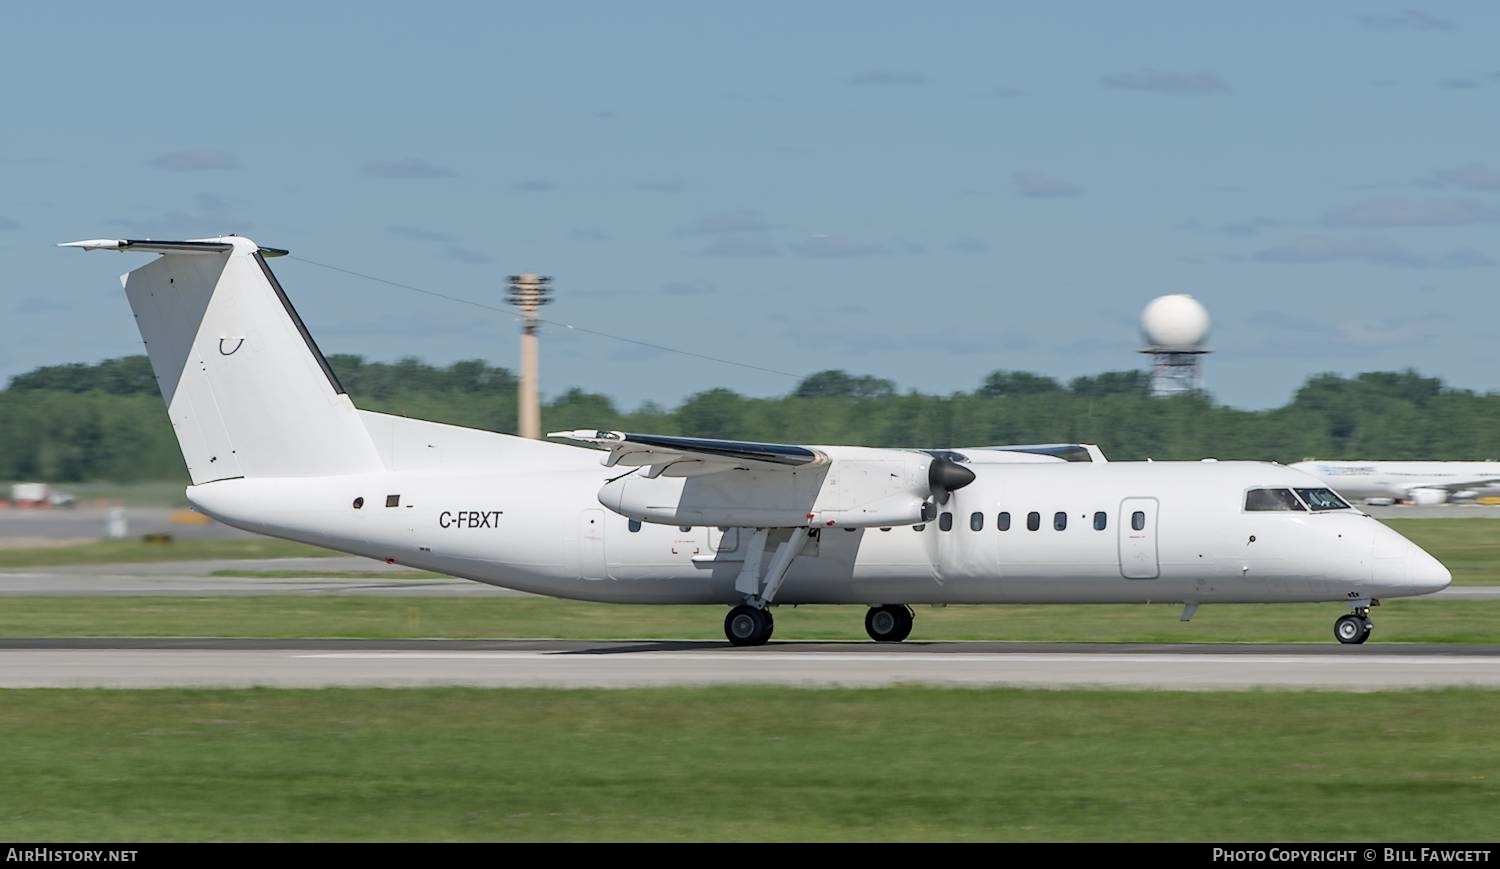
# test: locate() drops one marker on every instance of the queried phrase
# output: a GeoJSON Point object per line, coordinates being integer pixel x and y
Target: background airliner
{"type": "Point", "coordinates": [274, 445]}
{"type": "Point", "coordinates": [1417, 482]}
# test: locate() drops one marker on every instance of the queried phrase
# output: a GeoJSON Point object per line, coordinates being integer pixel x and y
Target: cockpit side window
{"type": "Point", "coordinates": [1319, 500]}
{"type": "Point", "coordinates": [1272, 500]}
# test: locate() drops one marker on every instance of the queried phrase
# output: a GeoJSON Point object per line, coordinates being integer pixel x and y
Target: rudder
{"type": "Point", "coordinates": [248, 392]}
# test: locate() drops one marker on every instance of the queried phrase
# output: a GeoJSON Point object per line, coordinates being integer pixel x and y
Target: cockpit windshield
{"type": "Point", "coordinates": [1319, 500]}
{"type": "Point", "coordinates": [1268, 500]}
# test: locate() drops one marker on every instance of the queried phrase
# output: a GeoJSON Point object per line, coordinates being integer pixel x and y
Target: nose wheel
{"type": "Point", "coordinates": [890, 623]}
{"type": "Point", "coordinates": [1353, 629]}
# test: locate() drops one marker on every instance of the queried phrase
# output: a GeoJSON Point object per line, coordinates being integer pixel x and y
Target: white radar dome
{"type": "Point", "coordinates": [1176, 323]}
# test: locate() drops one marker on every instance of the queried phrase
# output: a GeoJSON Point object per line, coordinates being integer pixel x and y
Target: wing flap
{"type": "Point", "coordinates": [680, 456]}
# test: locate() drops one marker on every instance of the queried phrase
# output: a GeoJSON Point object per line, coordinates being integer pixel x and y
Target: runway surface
{"type": "Point", "coordinates": [125, 663]}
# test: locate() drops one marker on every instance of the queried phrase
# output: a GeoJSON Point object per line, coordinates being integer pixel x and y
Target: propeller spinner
{"type": "Point", "coordinates": [946, 476]}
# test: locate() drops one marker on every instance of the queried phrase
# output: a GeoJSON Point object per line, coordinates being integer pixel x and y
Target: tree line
{"type": "Point", "coordinates": [106, 421]}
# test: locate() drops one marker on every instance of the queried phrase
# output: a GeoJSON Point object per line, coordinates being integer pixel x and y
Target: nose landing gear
{"type": "Point", "coordinates": [1354, 628]}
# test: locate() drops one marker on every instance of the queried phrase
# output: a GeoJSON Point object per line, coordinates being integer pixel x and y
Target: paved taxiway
{"type": "Point", "coordinates": [109, 663]}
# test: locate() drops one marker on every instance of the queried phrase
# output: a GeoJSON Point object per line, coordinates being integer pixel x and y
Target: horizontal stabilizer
{"type": "Point", "coordinates": [194, 246]}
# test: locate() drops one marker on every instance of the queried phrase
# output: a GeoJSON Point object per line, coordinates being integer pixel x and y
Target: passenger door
{"type": "Point", "coordinates": [1138, 539]}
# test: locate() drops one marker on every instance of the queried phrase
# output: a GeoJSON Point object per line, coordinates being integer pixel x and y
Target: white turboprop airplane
{"type": "Point", "coordinates": [274, 445]}
{"type": "Point", "coordinates": [1421, 483]}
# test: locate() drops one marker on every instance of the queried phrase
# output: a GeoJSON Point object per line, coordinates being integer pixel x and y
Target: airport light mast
{"type": "Point", "coordinates": [529, 292]}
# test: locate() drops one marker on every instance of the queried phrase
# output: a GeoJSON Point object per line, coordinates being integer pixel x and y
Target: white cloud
{"type": "Point", "coordinates": [888, 78]}
{"type": "Point", "coordinates": [1414, 212]}
{"type": "Point", "coordinates": [1473, 177]}
{"type": "Point", "coordinates": [1367, 250]}
{"type": "Point", "coordinates": [725, 223]}
{"type": "Point", "coordinates": [1164, 82]}
{"type": "Point", "coordinates": [196, 160]}
{"type": "Point", "coordinates": [1408, 19]}
{"type": "Point", "coordinates": [406, 169]}
{"type": "Point", "coordinates": [1035, 185]}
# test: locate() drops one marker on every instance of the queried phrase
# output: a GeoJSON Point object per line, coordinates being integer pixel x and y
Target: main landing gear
{"type": "Point", "coordinates": [890, 623]}
{"type": "Point", "coordinates": [751, 623]}
{"type": "Point", "coordinates": [749, 626]}
{"type": "Point", "coordinates": [1354, 628]}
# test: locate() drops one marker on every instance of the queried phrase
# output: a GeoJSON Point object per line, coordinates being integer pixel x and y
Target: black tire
{"type": "Point", "coordinates": [1352, 630]}
{"type": "Point", "coordinates": [890, 623]}
{"type": "Point", "coordinates": [748, 626]}
{"type": "Point", "coordinates": [769, 629]}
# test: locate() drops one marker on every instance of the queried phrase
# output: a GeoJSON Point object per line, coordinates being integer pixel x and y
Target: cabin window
{"type": "Point", "coordinates": [1272, 501]}
{"type": "Point", "coordinates": [922, 527]}
{"type": "Point", "coordinates": [1059, 521]}
{"type": "Point", "coordinates": [358, 503]}
{"type": "Point", "coordinates": [1319, 500]}
{"type": "Point", "coordinates": [1002, 522]}
{"type": "Point", "coordinates": [393, 500]}
{"type": "Point", "coordinates": [1033, 521]}
{"type": "Point", "coordinates": [1138, 520]}
{"type": "Point", "coordinates": [976, 521]}
{"type": "Point", "coordinates": [684, 528]}
{"type": "Point", "coordinates": [1101, 520]}
{"type": "Point", "coordinates": [634, 525]}
{"type": "Point", "coordinates": [945, 522]}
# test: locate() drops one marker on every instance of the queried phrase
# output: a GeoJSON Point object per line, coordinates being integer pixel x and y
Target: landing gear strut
{"type": "Point", "coordinates": [750, 623]}
{"type": "Point", "coordinates": [749, 626]}
{"type": "Point", "coordinates": [1354, 629]}
{"type": "Point", "coordinates": [890, 623]}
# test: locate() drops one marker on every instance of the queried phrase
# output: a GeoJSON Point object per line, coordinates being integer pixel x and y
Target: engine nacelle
{"type": "Point", "coordinates": [1428, 497]}
{"type": "Point", "coordinates": [858, 487]}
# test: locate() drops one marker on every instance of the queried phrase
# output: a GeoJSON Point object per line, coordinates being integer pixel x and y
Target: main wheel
{"type": "Point", "coordinates": [748, 626]}
{"type": "Point", "coordinates": [1351, 630]}
{"type": "Point", "coordinates": [890, 623]}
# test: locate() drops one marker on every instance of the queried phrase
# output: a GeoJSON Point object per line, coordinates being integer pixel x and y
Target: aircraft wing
{"type": "Point", "coordinates": [1036, 452]}
{"type": "Point", "coordinates": [683, 457]}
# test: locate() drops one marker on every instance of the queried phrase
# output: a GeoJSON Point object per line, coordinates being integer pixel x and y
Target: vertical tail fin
{"type": "Point", "coordinates": [248, 391]}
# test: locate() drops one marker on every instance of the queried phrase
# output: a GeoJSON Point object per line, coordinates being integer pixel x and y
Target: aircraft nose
{"type": "Point", "coordinates": [1401, 567]}
{"type": "Point", "coordinates": [1427, 573]}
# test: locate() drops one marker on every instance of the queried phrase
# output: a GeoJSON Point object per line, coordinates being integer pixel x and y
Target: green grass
{"type": "Point", "coordinates": [1470, 548]}
{"type": "Point", "coordinates": [1412, 621]}
{"type": "Point", "coordinates": [749, 764]}
{"type": "Point", "coordinates": [137, 551]}
{"type": "Point", "coordinates": [330, 574]}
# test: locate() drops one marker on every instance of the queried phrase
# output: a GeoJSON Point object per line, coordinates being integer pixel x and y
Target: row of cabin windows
{"type": "Point", "coordinates": [1034, 521]}
{"type": "Point", "coordinates": [1002, 522]}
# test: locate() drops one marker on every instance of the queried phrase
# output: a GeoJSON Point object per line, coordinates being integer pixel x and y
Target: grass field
{"type": "Point", "coordinates": [136, 551]}
{"type": "Point", "coordinates": [748, 764]}
{"type": "Point", "coordinates": [1411, 621]}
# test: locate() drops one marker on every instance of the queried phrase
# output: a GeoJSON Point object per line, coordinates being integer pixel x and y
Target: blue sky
{"type": "Point", "coordinates": [924, 195]}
